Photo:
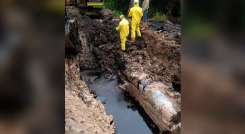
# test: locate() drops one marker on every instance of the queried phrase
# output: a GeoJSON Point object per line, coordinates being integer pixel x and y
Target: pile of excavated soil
{"type": "Point", "coordinates": [158, 69]}
{"type": "Point", "coordinates": [92, 36]}
{"type": "Point", "coordinates": [161, 61]}
{"type": "Point", "coordinates": [164, 56]}
{"type": "Point", "coordinates": [83, 113]}
{"type": "Point", "coordinates": [104, 42]}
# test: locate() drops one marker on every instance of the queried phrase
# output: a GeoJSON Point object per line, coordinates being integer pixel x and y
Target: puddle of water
{"type": "Point", "coordinates": [126, 116]}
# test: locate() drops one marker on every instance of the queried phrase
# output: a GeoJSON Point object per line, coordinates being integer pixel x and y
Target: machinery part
{"type": "Point", "coordinates": [91, 4]}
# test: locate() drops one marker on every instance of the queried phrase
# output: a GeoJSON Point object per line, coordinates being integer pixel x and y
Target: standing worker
{"type": "Point", "coordinates": [145, 7]}
{"type": "Point", "coordinates": [136, 13]}
{"type": "Point", "coordinates": [123, 28]}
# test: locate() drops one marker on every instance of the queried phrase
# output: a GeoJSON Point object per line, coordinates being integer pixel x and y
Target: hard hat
{"type": "Point", "coordinates": [136, 1]}
{"type": "Point", "coordinates": [121, 16]}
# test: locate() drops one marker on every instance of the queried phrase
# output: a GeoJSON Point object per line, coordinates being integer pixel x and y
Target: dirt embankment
{"type": "Point", "coordinates": [83, 113]}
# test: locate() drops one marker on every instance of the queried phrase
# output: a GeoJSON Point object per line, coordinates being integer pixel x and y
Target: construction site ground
{"type": "Point", "coordinates": [152, 64]}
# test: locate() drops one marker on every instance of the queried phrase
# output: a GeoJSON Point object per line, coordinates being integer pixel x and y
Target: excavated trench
{"type": "Point", "coordinates": [128, 116]}
{"type": "Point", "coordinates": [99, 66]}
{"type": "Point", "coordinates": [148, 100]}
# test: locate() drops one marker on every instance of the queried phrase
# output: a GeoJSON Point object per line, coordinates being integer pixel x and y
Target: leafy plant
{"type": "Point", "coordinates": [159, 17]}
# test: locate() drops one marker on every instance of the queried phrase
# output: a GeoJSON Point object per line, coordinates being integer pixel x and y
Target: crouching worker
{"type": "Point", "coordinates": [123, 28]}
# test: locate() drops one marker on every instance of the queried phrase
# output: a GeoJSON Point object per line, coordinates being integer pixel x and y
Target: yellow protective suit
{"type": "Point", "coordinates": [136, 13]}
{"type": "Point", "coordinates": [123, 28]}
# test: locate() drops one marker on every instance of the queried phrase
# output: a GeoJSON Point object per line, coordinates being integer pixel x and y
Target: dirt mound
{"type": "Point", "coordinates": [103, 40]}
{"type": "Point", "coordinates": [165, 56]}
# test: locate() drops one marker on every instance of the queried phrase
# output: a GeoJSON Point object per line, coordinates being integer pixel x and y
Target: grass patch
{"type": "Point", "coordinates": [159, 17]}
{"type": "Point", "coordinates": [116, 13]}
{"type": "Point", "coordinates": [117, 7]}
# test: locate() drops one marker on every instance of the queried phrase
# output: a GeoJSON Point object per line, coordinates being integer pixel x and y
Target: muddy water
{"type": "Point", "coordinates": [127, 117]}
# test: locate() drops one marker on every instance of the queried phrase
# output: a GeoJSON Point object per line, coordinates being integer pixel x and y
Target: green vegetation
{"type": "Point", "coordinates": [118, 7]}
{"type": "Point", "coordinates": [159, 17]}
{"type": "Point", "coordinates": [159, 10]}
{"type": "Point", "coordinates": [116, 13]}
{"type": "Point", "coordinates": [110, 4]}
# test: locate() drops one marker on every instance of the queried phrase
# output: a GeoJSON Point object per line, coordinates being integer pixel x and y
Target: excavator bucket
{"type": "Point", "coordinates": [95, 3]}
{"type": "Point", "coordinates": [98, 4]}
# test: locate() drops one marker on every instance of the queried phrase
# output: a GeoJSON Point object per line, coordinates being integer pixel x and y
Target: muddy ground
{"type": "Point", "coordinates": [162, 63]}
{"type": "Point", "coordinates": [95, 43]}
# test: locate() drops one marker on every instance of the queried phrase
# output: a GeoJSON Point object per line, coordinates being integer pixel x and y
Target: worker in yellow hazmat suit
{"type": "Point", "coordinates": [123, 28]}
{"type": "Point", "coordinates": [136, 13]}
